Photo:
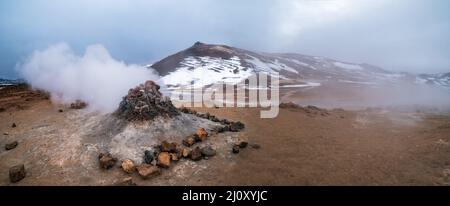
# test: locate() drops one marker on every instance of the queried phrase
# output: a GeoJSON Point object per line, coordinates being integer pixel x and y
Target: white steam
{"type": "Point", "coordinates": [94, 77]}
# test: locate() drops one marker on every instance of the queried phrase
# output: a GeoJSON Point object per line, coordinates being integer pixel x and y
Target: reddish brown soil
{"type": "Point", "coordinates": [299, 147]}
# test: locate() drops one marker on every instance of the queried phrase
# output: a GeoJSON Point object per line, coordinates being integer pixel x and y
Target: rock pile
{"type": "Point", "coordinates": [229, 125]}
{"type": "Point", "coordinates": [145, 102]}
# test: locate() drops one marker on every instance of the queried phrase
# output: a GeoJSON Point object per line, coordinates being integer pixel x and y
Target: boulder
{"type": "Point", "coordinates": [17, 173]}
{"type": "Point", "coordinates": [13, 125]}
{"type": "Point", "coordinates": [202, 134]}
{"type": "Point", "coordinates": [146, 170]}
{"type": "Point", "coordinates": [208, 151]}
{"type": "Point", "coordinates": [148, 156]}
{"type": "Point", "coordinates": [128, 166]}
{"type": "Point", "coordinates": [163, 160]}
{"type": "Point", "coordinates": [60, 110]}
{"type": "Point", "coordinates": [196, 154]}
{"type": "Point", "coordinates": [11, 145]}
{"type": "Point", "coordinates": [106, 160]}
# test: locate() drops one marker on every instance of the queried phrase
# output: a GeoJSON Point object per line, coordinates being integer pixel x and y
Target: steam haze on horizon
{"type": "Point", "coordinates": [400, 35]}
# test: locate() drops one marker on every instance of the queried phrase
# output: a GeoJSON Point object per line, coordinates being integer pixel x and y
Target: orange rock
{"type": "Point", "coordinates": [202, 134]}
{"type": "Point", "coordinates": [164, 159]}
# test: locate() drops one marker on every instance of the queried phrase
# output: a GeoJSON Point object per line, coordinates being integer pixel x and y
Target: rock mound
{"type": "Point", "coordinates": [145, 102]}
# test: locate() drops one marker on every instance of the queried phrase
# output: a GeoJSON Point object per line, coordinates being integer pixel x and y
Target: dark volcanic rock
{"type": "Point", "coordinates": [78, 105]}
{"type": "Point", "coordinates": [106, 160]}
{"type": "Point", "coordinates": [196, 154]}
{"type": "Point", "coordinates": [11, 145]}
{"type": "Point", "coordinates": [145, 102]}
{"type": "Point", "coordinates": [148, 156]}
{"type": "Point", "coordinates": [17, 173]}
{"type": "Point", "coordinates": [208, 151]}
{"type": "Point", "coordinates": [13, 125]}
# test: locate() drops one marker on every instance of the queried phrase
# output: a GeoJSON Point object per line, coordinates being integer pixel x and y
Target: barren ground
{"type": "Point", "coordinates": [364, 147]}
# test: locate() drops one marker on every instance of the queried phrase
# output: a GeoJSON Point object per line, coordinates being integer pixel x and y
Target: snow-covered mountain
{"type": "Point", "coordinates": [205, 64]}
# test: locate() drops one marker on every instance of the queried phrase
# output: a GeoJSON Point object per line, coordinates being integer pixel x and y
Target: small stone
{"type": "Point", "coordinates": [242, 144]}
{"type": "Point", "coordinates": [235, 149]}
{"type": "Point", "coordinates": [196, 154]}
{"type": "Point", "coordinates": [17, 173]}
{"type": "Point", "coordinates": [106, 160]}
{"type": "Point", "coordinates": [60, 110]}
{"type": "Point", "coordinates": [208, 151]}
{"type": "Point", "coordinates": [224, 121]}
{"type": "Point", "coordinates": [163, 160]}
{"type": "Point", "coordinates": [202, 134]}
{"type": "Point", "coordinates": [174, 156]}
{"type": "Point", "coordinates": [13, 125]}
{"type": "Point", "coordinates": [148, 156]}
{"type": "Point", "coordinates": [146, 170]}
{"type": "Point", "coordinates": [189, 141]}
{"type": "Point", "coordinates": [128, 166]}
{"type": "Point", "coordinates": [226, 128]}
{"type": "Point", "coordinates": [78, 105]}
{"type": "Point", "coordinates": [185, 153]}
{"type": "Point", "coordinates": [11, 145]}
{"type": "Point", "coordinates": [168, 147]}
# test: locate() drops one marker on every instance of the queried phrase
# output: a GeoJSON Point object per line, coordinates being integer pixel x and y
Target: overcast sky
{"type": "Point", "coordinates": [402, 35]}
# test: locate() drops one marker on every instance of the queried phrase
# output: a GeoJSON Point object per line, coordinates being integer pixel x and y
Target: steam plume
{"type": "Point", "coordinates": [94, 77]}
